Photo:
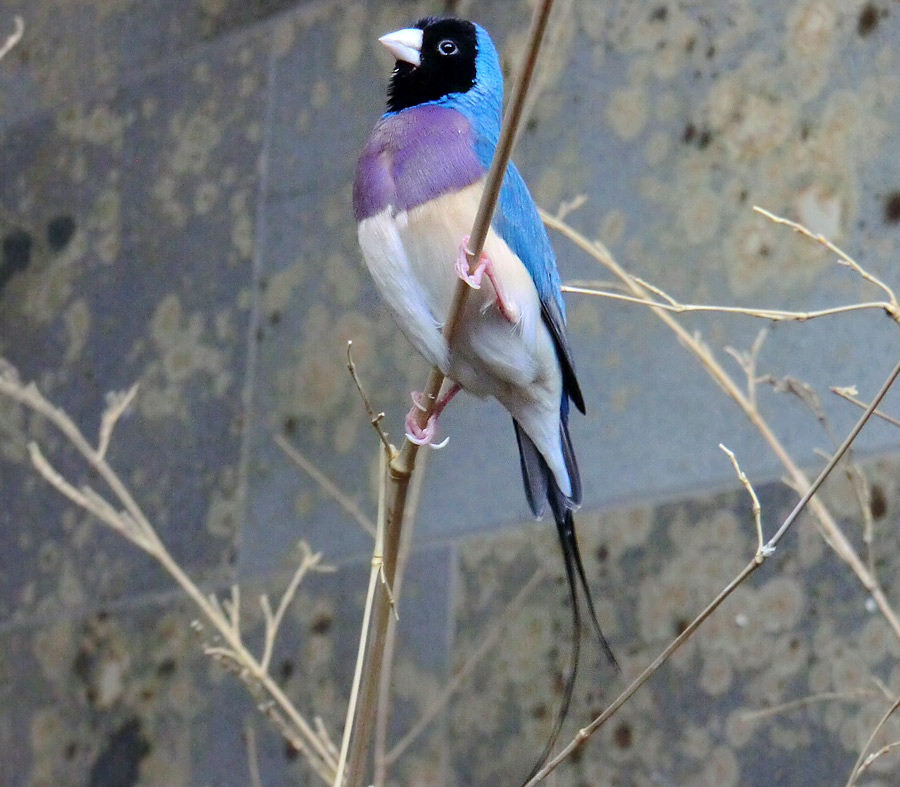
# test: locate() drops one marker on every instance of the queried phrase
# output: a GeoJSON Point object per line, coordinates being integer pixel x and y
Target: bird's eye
{"type": "Point", "coordinates": [447, 47]}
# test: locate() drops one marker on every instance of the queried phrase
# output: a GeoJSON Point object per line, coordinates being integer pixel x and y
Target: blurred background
{"type": "Point", "coordinates": [175, 211]}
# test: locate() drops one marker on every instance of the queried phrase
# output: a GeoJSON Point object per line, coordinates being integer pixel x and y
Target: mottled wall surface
{"type": "Point", "coordinates": [174, 211]}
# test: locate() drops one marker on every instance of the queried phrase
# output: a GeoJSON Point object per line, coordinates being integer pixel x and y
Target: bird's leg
{"type": "Point", "coordinates": [425, 435]}
{"type": "Point", "coordinates": [484, 267]}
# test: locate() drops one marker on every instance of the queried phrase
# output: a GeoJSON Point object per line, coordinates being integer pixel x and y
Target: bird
{"type": "Point", "coordinates": [416, 190]}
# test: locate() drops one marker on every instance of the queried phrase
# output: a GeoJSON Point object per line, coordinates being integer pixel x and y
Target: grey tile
{"type": "Point", "coordinates": [126, 696]}
{"type": "Point", "coordinates": [128, 236]}
{"type": "Point", "coordinates": [86, 51]}
{"type": "Point", "coordinates": [796, 629]}
{"type": "Point", "coordinates": [114, 699]}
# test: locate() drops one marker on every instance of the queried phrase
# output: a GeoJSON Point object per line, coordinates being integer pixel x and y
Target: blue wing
{"type": "Point", "coordinates": [518, 222]}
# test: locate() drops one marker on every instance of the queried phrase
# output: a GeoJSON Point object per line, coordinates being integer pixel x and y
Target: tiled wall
{"type": "Point", "coordinates": [174, 210]}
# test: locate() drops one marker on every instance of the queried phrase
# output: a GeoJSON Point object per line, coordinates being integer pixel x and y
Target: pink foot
{"type": "Point", "coordinates": [425, 435]}
{"type": "Point", "coordinates": [415, 433]}
{"type": "Point", "coordinates": [485, 267]}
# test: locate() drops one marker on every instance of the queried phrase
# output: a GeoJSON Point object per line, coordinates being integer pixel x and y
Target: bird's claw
{"type": "Point", "coordinates": [420, 435]}
{"type": "Point", "coordinates": [423, 435]}
{"type": "Point", "coordinates": [484, 267]}
{"type": "Point", "coordinates": [473, 278]}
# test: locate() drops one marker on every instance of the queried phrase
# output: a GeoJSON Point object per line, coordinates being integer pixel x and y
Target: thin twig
{"type": "Point", "coordinates": [570, 206]}
{"type": "Point", "coordinates": [748, 361]}
{"type": "Point", "coordinates": [857, 766]}
{"type": "Point", "coordinates": [326, 484]}
{"type": "Point", "coordinates": [838, 454]}
{"type": "Point", "coordinates": [848, 393]}
{"type": "Point", "coordinates": [810, 399]}
{"type": "Point", "coordinates": [825, 696]}
{"type": "Point", "coordinates": [374, 418]}
{"type": "Point", "coordinates": [843, 258]}
{"type": "Point", "coordinates": [322, 732]}
{"type": "Point", "coordinates": [355, 756]}
{"type": "Point", "coordinates": [117, 404]}
{"type": "Point", "coordinates": [252, 755]}
{"type": "Point", "coordinates": [383, 709]}
{"type": "Point", "coordinates": [13, 38]}
{"type": "Point", "coordinates": [87, 498]}
{"type": "Point", "coordinates": [875, 755]}
{"type": "Point", "coordinates": [757, 510]}
{"type": "Point", "coordinates": [310, 561]}
{"type": "Point", "coordinates": [775, 315]}
{"type": "Point", "coordinates": [661, 659]}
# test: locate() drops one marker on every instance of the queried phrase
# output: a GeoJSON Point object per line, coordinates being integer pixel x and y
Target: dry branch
{"type": "Point", "coordinates": [131, 522]}
{"type": "Point", "coordinates": [796, 477]}
{"type": "Point", "coordinates": [13, 38]}
{"type": "Point", "coordinates": [861, 763]}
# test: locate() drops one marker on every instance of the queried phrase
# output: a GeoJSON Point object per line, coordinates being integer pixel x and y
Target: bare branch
{"type": "Point", "coordinates": [310, 561]}
{"type": "Point", "coordinates": [843, 258]}
{"type": "Point", "coordinates": [757, 510]}
{"type": "Point", "coordinates": [748, 361]}
{"type": "Point", "coordinates": [569, 206]}
{"type": "Point", "coordinates": [374, 418]}
{"type": "Point", "coordinates": [322, 732]}
{"type": "Point", "coordinates": [825, 696]}
{"type": "Point", "coordinates": [849, 393]}
{"type": "Point", "coordinates": [796, 477]}
{"type": "Point", "coordinates": [874, 756]}
{"type": "Point", "coordinates": [586, 732]}
{"type": "Point", "coordinates": [775, 315]}
{"type": "Point", "coordinates": [326, 484]}
{"type": "Point", "coordinates": [858, 765]}
{"type": "Point", "coordinates": [13, 38]}
{"type": "Point", "coordinates": [117, 404]}
{"type": "Point", "coordinates": [834, 535]}
{"type": "Point", "coordinates": [348, 758]}
{"type": "Point", "coordinates": [134, 524]}
{"type": "Point", "coordinates": [758, 559]}
{"type": "Point", "coordinates": [252, 755]}
{"type": "Point", "coordinates": [86, 498]}
{"type": "Point", "coordinates": [383, 707]}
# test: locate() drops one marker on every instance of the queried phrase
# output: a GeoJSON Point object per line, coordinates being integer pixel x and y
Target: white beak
{"type": "Point", "coordinates": [405, 44]}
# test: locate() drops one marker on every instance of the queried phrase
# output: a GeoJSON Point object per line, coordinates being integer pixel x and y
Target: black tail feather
{"type": "Point", "coordinates": [565, 525]}
{"type": "Point", "coordinates": [540, 485]}
{"type": "Point", "coordinates": [534, 471]}
{"type": "Point", "coordinates": [572, 554]}
{"type": "Point", "coordinates": [569, 687]}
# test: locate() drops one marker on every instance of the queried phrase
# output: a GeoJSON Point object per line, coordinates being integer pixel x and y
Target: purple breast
{"type": "Point", "coordinates": [413, 157]}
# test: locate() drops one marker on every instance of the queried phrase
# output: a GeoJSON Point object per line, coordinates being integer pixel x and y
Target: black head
{"type": "Point", "coordinates": [446, 63]}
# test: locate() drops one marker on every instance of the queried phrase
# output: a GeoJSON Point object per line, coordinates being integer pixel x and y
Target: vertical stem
{"type": "Point", "coordinates": [374, 573]}
{"type": "Point", "coordinates": [383, 712]}
{"type": "Point", "coordinates": [374, 653]}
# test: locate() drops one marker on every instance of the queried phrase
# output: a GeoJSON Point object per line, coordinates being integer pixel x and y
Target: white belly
{"type": "Point", "coordinates": [411, 257]}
